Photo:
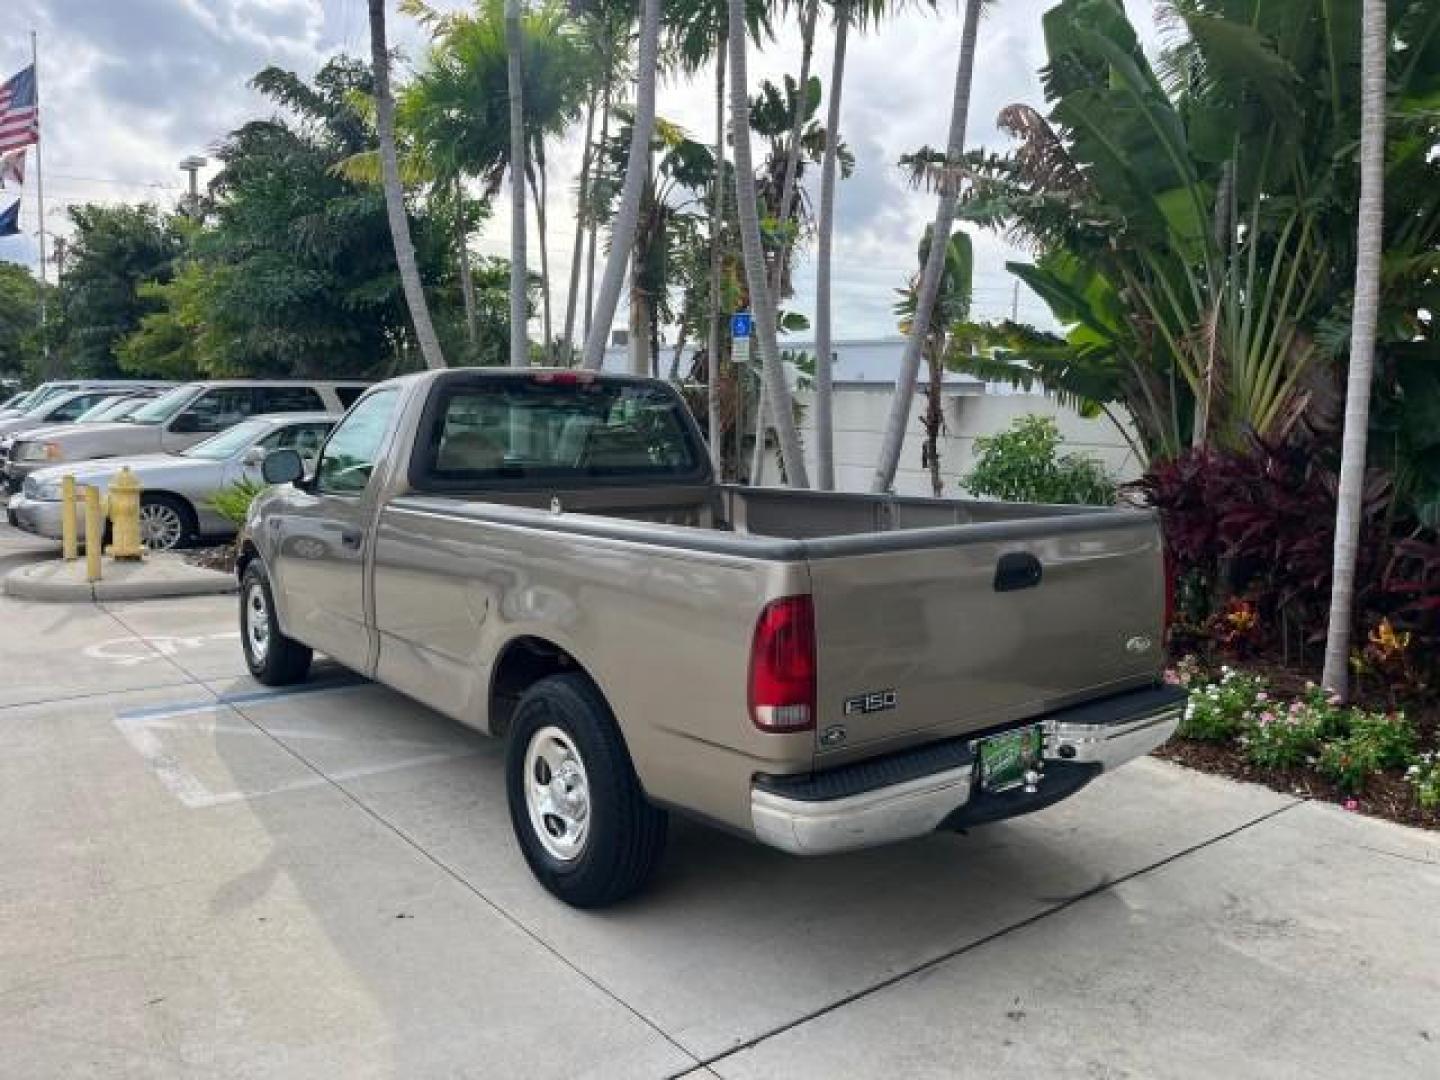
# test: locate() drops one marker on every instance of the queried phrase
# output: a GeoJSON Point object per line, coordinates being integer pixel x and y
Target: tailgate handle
{"type": "Point", "coordinates": [1017, 570]}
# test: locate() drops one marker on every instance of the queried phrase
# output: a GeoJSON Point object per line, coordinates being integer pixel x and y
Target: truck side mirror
{"type": "Point", "coordinates": [282, 467]}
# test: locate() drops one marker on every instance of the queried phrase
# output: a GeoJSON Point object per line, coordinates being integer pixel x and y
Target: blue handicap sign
{"type": "Point", "coordinates": [742, 324]}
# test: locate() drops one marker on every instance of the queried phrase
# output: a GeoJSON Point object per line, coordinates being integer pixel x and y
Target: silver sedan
{"type": "Point", "coordinates": [177, 489]}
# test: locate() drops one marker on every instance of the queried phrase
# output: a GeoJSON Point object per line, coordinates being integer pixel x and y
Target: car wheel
{"type": "Point", "coordinates": [166, 522]}
{"type": "Point", "coordinates": [583, 824]}
{"type": "Point", "coordinates": [273, 658]}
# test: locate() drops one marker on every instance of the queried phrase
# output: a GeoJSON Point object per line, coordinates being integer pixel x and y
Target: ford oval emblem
{"type": "Point", "coordinates": [1139, 644]}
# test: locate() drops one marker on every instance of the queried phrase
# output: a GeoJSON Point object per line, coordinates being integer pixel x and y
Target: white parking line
{"type": "Point", "coordinates": [144, 732]}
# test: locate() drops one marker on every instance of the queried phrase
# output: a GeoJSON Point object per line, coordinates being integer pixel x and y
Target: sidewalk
{"type": "Point", "coordinates": [154, 577]}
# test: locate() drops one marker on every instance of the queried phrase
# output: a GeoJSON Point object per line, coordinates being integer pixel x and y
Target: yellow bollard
{"type": "Point", "coordinates": [94, 532]}
{"type": "Point", "coordinates": [69, 546]}
{"type": "Point", "coordinates": [125, 516]}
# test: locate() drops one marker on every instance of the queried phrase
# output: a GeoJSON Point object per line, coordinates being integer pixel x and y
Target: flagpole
{"type": "Point", "coordinates": [40, 197]}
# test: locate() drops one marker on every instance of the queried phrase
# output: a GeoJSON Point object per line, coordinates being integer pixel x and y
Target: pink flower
{"type": "Point", "coordinates": [1262, 696]}
{"type": "Point", "coordinates": [1352, 804]}
{"type": "Point", "coordinates": [1267, 717]}
{"type": "Point", "coordinates": [1295, 707]}
{"type": "Point", "coordinates": [1172, 677]}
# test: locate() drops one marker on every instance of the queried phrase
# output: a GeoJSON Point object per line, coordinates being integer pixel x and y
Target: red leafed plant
{"type": "Point", "coordinates": [1259, 523]}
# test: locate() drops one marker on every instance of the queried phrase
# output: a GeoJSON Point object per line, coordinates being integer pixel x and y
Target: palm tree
{"type": "Point", "coordinates": [952, 308]}
{"type": "Point", "coordinates": [1363, 324]}
{"type": "Point", "coordinates": [787, 191]}
{"type": "Point", "coordinates": [636, 171]}
{"type": "Point", "coordinates": [519, 337]}
{"type": "Point", "coordinates": [899, 417]}
{"type": "Point", "coordinates": [762, 302]}
{"type": "Point", "coordinates": [395, 195]}
{"type": "Point", "coordinates": [824, 347]}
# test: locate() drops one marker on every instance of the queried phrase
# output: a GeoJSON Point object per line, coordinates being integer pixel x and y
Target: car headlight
{"type": "Point", "coordinates": [30, 451]}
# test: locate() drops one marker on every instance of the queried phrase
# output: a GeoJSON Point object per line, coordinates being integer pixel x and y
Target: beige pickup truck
{"type": "Point", "coordinates": [545, 555]}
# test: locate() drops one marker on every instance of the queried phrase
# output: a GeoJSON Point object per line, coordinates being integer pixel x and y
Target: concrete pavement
{"type": "Point", "coordinates": [207, 878]}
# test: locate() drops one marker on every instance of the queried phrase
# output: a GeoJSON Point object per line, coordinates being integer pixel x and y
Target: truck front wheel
{"type": "Point", "coordinates": [273, 658]}
{"type": "Point", "coordinates": [583, 824]}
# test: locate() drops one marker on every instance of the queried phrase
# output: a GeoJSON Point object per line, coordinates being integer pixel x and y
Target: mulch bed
{"type": "Point", "coordinates": [1386, 796]}
{"type": "Point", "coordinates": [219, 557]}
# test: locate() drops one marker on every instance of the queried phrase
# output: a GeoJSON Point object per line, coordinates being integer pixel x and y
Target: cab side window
{"type": "Point", "coordinates": [349, 457]}
{"type": "Point", "coordinates": [218, 409]}
{"type": "Point", "coordinates": [304, 439]}
{"type": "Point", "coordinates": [289, 399]}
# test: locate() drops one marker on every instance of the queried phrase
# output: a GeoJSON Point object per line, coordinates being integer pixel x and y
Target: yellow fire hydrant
{"type": "Point", "coordinates": [125, 516]}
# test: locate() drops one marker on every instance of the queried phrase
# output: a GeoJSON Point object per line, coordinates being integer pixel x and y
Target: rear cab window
{"type": "Point", "coordinates": [554, 430]}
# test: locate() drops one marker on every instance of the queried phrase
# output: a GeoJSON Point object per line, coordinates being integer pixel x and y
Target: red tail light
{"type": "Point", "coordinates": [782, 666]}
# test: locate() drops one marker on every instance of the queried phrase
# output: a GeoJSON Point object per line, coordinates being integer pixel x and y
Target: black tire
{"type": "Point", "coordinates": [171, 507]}
{"type": "Point", "coordinates": [624, 835]}
{"type": "Point", "coordinates": [273, 658]}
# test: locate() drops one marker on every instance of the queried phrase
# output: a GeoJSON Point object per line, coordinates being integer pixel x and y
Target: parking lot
{"type": "Point", "coordinates": [203, 877]}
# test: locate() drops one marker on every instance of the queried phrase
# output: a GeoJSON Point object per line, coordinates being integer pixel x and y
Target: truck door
{"type": "Point", "coordinates": [320, 568]}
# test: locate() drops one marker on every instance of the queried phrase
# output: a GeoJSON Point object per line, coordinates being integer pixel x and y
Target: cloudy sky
{"type": "Point", "coordinates": [129, 87]}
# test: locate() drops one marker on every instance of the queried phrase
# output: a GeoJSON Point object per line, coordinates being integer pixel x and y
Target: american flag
{"type": "Point", "coordinates": [19, 111]}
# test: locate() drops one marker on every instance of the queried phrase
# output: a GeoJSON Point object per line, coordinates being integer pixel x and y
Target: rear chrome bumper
{"type": "Point", "coordinates": [848, 808]}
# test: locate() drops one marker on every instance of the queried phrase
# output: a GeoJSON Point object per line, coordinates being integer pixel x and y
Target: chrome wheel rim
{"type": "Point", "coordinates": [160, 526]}
{"type": "Point", "coordinates": [257, 623]}
{"type": "Point", "coordinates": [557, 794]}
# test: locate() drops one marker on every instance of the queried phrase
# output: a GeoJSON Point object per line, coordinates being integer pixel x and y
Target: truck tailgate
{"type": "Point", "coordinates": [944, 631]}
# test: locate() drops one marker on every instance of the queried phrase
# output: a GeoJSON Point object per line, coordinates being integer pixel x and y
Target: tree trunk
{"type": "Point", "coordinates": [622, 236]}
{"type": "Point", "coordinates": [762, 304]}
{"type": "Point", "coordinates": [717, 218]}
{"type": "Point", "coordinates": [594, 225]}
{"type": "Point", "coordinates": [824, 347]}
{"type": "Point", "coordinates": [782, 214]}
{"type": "Point", "coordinates": [934, 421]}
{"type": "Point", "coordinates": [519, 274]}
{"type": "Point", "coordinates": [1364, 317]}
{"type": "Point", "coordinates": [792, 149]}
{"type": "Point", "coordinates": [467, 279]}
{"type": "Point", "coordinates": [577, 252]}
{"type": "Point", "coordinates": [395, 195]}
{"type": "Point", "coordinates": [539, 193]}
{"type": "Point", "coordinates": [899, 418]}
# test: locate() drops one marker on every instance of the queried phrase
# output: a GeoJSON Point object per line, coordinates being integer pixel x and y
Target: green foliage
{"type": "Point", "coordinates": [20, 352]}
{"type": "Point", "coordinates": [113, 251]}
{"type": "Point", "coordinates": [1279, 737]}
{"type": "Point", "coordinates": [1222, 710]}
{"type": "Point", "coordinates": [233, 503]}
{"type": "Point", "coordinates": [1424, 777]}
{"type": "Point", "coordinates": [1374, 742]}
{"type": "Point", "coordinates": [1193, 221]}
{"type": "Point", "coordinates": [1024, 464]}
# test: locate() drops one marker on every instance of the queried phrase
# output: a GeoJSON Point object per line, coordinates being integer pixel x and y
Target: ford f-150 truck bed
{"type": "Point", "coordinates": [546, 555]}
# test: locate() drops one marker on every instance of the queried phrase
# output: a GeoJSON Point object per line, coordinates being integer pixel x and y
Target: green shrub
{"type": "Point", "coordinates": [1424, 776]}
{"type": "Point", "coordinates": [1024, 464]}
{"type": "Point", "coordinates": [1376, 741]}
{"type": "Point", "coordinates": [1223, 709]}
{"type": "Point", "coordinates": [233, 503]}
{"type": "Point", "coordinates": [1282, 738]}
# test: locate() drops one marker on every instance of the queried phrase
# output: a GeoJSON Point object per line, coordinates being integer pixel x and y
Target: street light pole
{"type": "Point", "coordinates": [192, 165]}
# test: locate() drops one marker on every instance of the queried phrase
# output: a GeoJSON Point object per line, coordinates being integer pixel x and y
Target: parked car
{"type": "Point", "coordinates": [182, 417]}
{"type": "Point", "coordinates": [45, 391]}
{"type": "Point", "coordinates": [547, 555]}
{"type": "Point", "coordinates": [175, 500]}
{"type": "Point", "coordinates": [60, 408]}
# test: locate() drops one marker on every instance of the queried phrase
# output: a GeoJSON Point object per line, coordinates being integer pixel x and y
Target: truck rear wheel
{"type": "Point", "coordinates": [583, 824]}
{"type": "Point", "coordinates": [273, 658]}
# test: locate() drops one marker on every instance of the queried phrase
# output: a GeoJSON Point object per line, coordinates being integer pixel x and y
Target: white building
{"type": "Point", "coordinates": [864, 382]}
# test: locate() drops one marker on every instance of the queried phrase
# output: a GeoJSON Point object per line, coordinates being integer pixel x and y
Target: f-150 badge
{"type": "Point", "coordinates": [874, 701]}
